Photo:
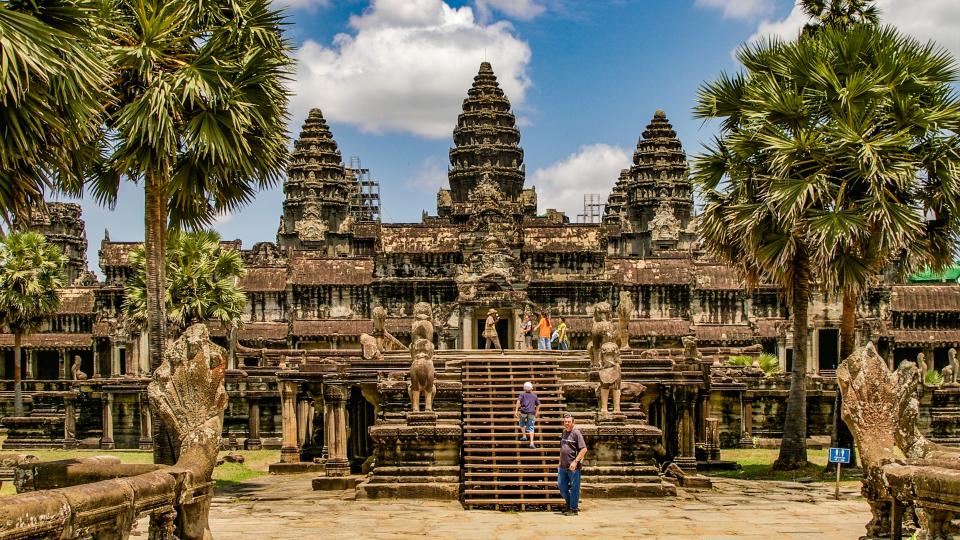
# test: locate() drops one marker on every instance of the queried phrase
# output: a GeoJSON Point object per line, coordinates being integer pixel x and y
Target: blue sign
{"type": "Point", "coordinates": [839, 455]}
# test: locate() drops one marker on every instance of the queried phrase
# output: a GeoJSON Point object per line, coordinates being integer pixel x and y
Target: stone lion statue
{"type": "Point", "coordinates": [369, 348]}
{"type": "Point", "coordinates": [422, 327]}
{"type": "Point", "coordinates": [610, 376]}
{"type": "Point", "coordinates": [624, 311]}
{"type": "Point", "coordinates": [422, 375]}
{"type": "Point", "coordinates": [602, 332]}
{"type": "Point", "coordinates": [690, 348]}
{"type": "Point", "coordinates": [75, 370]}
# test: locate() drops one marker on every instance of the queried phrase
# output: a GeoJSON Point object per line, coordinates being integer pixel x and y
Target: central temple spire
{"type": "Point", "coordinates": [486, 143]}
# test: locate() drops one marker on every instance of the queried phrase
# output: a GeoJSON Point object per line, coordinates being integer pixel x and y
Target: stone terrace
{"type": "Point", "coordinates": [287, 508]}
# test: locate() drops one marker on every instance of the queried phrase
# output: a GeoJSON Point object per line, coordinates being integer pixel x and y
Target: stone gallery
{"type": "Point", "coordinates": [359, 356]}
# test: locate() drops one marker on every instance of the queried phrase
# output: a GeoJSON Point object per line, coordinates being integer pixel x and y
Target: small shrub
{"type": "Point", "coordinates": [770, 364]}
{"type": "Point", "coordinates": [740, 361]}
{"type": "Point", "coordinates": [933, 377]}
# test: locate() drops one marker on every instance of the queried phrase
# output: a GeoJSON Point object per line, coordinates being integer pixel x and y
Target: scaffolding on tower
{"type": "Point", "coordinates": [365, 201]}
{"type": "Point", "coordinates": [592, 208]}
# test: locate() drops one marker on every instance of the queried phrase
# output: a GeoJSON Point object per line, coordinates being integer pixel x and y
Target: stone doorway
{"type": "Point", "coordinates": [504, 329]}
{"type": "Point", "coordinates": [361, 415]}
{"type": "Point", "coordinates": [828, 349]}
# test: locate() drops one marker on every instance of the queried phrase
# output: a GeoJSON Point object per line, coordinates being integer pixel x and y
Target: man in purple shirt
{"type": "Point", "coordinates": [572, 450]}
{"type": "Point", "coordinates": [525, 412]}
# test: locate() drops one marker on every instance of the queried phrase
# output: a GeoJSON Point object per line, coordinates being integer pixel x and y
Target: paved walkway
{"type": "Point", "coordinates": [285, 507]}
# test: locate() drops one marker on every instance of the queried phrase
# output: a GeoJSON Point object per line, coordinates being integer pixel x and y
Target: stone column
{"type": "Point", "coordinates": [304, 420]}
{"type": "Point", "coordinates": [106, 440]}
{"type": "Point", "coordinates": [96, 361]}
{"type": "Point", "coordinates": [289, 451]}
{"type": "Point", "coordinates": [335, 428]}
{"type": "Point", "coordinates": [746, 437]}
{"type": "Point", "coordinates": [69, 422]}
{"type": "Point", "coordinates": [253, 418]}
{"type": "Point", "coordinates": [517, 328]}
{"type": "Point", "coordinates": [146, 428]}
{"type": "Point", "coordinates": [114, 359]}
{"type": "Point", "coordinates": [64, 365]}
{"type": "Point", "coordinates": [686, 457]}
{"type": "Point", "coordinates": [31, 362]}
{"type": "Point", "coordinates": [468, 328]}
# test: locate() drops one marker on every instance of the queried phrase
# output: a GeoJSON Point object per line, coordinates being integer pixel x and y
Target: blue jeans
{"type": "Point", "coordinates": [564, 346]}
{"type": "Point", "coordinates": [569, 483]}
{"type": "Point", "coordinates": [544, 344]}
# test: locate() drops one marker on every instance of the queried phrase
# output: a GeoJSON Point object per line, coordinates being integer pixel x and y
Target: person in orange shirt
{"type": "Point", "coordinates": [544, 330]}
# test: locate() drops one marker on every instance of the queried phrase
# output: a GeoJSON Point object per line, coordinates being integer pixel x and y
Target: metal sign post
{"type": "Point", "coordinates": [838, 456]}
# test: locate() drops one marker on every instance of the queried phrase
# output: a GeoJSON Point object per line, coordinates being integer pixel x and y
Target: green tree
{"type": "Point", "coordinates": [839, 13]}
{"type": "Point", "coordinates": [201, 282]}
{"type": "Point", "coordinates": [52, 78]}
{"type": "Point", "coordinates": [31, 272]}
{"type": "Point", "coordinates": [198, 116]}
{"type": "Point", "coordinates": [834, 151]}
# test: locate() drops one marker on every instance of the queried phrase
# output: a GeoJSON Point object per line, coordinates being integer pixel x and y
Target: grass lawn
{"type": "Point", "coordinates": [757, 464]}
{"type": "Point", "coordinates": [255, 463]}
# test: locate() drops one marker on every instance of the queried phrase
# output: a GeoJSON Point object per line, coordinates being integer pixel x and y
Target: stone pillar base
{"type": "Point", "coordinates": [687, 463]}
{"type": "Point", "coordinates": [611, 418]}
{"type": "Point", "coordinates": [70, 444]}
{"type": "Point", "coordinates": [337, 468]}
{"type": "Point", "coordinates": [289, 454]}
{"type": "Point", "coordinates": [421, 418]}
{"type": "Point", "coordinates": [253, 444]}
{"type": "Point", "coordinates": [415, 461]}
{"type": "Point", "coordinates": [746, 441]}
{"type": "Point", "coordinates": [145, 444]}
{"type": "Point", "coordinates": [107, 444]}
{"type": "Point", "coordinates": [621, 461]}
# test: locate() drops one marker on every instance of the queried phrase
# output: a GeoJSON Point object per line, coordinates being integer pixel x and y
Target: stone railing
{"type": "Point", "coordinates": [102, 498]}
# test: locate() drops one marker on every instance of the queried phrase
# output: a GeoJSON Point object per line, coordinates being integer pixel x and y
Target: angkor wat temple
{"type": "Point", "coordinates": [297, 368]}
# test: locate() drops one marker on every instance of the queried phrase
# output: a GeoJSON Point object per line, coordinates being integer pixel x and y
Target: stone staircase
{"type": "Point", "coordinates": [500, 471]}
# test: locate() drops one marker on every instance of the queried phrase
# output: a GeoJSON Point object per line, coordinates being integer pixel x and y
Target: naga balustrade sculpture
{"type": "Point", "coordinates": [881, 408]}
{"type": "Point", "coordinates": [103, 499]}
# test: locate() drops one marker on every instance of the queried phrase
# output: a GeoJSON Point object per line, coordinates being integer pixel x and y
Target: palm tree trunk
{"type": "Point", "coordinates": [17, 391]}
{"type": "Point", "coordinates": [155, 249]}
{"type": "Point", "coordinates": [793, 447]}
{"type": "Point", "coordinates": [842, 438]}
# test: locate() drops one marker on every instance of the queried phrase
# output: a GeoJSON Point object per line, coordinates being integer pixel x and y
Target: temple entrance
{"type": "Point", "coordinates": [48, 365]}
{"type": "Point", "coordinates": [503, 330]}
{"type": "Point", "coordinates": [360, 416]}
{"type": "Point", "coordinates": [828, 348]}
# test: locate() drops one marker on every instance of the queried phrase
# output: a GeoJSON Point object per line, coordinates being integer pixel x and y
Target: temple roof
{"type": "Point", "coordinates": [116, 253]}
{"type": "Point", "coordinates": [486, 141]}
{"type": "Point", "coordinates": [50, 341]}
{"type": "Point", "coordinates": [717, 277]}
{"type": "Point", "coordinates": [659, 327]}
{"type": "Point", "coordinates": [315, 151]}
{"type": "Point", "coordinates": [925, 298]}
{"type": "Point", "coordinates": [563, 238]}
{"type": "Point", "coordinates": [264, 279]}
{"type": "Point", "coordinates": [331, 271]}
{"type": "Point", "coordinates": [926, 337]}
{"type": "Point", "coordinates": [650, 271]}
{"type": "Point", "coordinates": [76, 301]}
{"type": "Point", "coordinates": [419, 239]}
{"type": "Point", "coordinates": [724, 333]}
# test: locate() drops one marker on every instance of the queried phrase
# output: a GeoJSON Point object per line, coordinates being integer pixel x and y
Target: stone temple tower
{"type": "Point", "coordinates": [62, 224]}
{"type": "Point", "coordinates": [486, 151]}
{"type": "Point", "coordinates": [652, 202]}
{"type": "Point", "coordinates": [317, 192]}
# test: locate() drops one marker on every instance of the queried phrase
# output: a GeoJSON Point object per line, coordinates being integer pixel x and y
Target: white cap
{"type": "Point", "coordinates": [528, 385]}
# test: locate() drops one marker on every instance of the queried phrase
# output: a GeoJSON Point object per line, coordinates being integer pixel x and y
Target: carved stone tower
{"type": "Point", "coordinates": [653, 201]}
{"type": "Point", "coordinates": [486, 151]}
{"type": "Point", "coordinates": [317, 192]}
{"type": "Point", "coordinates": [62, 224]}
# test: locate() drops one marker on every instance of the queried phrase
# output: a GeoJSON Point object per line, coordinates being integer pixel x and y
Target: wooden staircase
{"type": "Point", "coordinates": [500, 471]}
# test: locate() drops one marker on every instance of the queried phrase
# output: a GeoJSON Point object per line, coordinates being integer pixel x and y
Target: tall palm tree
{"type": "Point", "coordinates": [51, 94]}
{"type": "Point", "coordinates": [839, 13]}
{"type": "Point", "coordinates": [836, 148]}
{"type": "Point", "coordinates": [31, 272]}
{"type": "Point", "coordinates": [198, 117]}
{"type": "Point", "coordinates": [202, 282]}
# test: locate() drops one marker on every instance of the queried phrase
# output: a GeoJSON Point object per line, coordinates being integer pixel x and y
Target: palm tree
{"type": "Point", "coordinates": [51, 92]}
{"type": "Point", "coordinates": [202, 282]}
{"type": "Point", "coordinates": [834, 149]}
{"type": "Point", "coordinates": [839, 13]}
{"type": "Point", "coordinates": [31, 272]}
{"type": "Point", "coordinates": [198, 116]}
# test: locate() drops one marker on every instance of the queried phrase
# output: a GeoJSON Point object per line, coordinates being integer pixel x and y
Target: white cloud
{"type": "Point", "coordinates": [524, 10]}
{"type": "Point", "coordinates": [406, 67]}
{"type": "Point", "coordinates": [302, 4]}
{"type": "Point", "coordinates": [591, 169]}
{"type": "Point", "coordinates": [739, 9]}
{"type": "Point", "coordinates": [923, 19]}
{"type": "Point", "coordinates": [430, 176]}
{"type": "Point", "coordinates": [222, 218]}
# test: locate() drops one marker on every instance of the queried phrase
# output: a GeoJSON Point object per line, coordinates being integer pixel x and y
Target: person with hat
{"type": "Point", "coordinates": [490, 331]}
{"type": "Point", "coordinates": [525, 413]}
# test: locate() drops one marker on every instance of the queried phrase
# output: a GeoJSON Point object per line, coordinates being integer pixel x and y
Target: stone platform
{"type": "Point", "coordinates": [418, 460]}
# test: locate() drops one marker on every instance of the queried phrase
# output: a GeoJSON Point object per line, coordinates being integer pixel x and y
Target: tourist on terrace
{"type": "Point", "coordinates": [544, 330]}
{"type": "Point", "coordinates": [563, 339]}
{"type": "Point", "coordinates": [572, 450]}
{"type": "Point", "coordinates": [525, 412]}
{"type": "Point", "coordinates": [490, 331]}
{"type": "Point", "coordinates": [527, 328]}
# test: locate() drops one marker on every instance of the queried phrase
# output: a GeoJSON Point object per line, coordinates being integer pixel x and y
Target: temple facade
{"type": "Point", "coordinates": [312, 294]}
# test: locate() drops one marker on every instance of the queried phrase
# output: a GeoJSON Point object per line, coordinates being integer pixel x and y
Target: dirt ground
{"type": "Point", "coordinates": [285, 507]}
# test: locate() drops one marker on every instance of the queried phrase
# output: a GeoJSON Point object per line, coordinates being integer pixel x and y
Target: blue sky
{"type": "Point", "coordinates": [585, 77]}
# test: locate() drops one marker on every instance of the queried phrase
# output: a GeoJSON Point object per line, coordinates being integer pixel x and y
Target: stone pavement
{"type": "Point", "coordinates": [285, 507]}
